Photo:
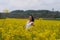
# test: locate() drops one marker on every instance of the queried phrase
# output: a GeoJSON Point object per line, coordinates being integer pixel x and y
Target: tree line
{"type": "Point", "coordinates": [35, 13]}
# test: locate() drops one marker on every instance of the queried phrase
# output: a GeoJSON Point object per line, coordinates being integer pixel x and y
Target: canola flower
{"type": "Point", "coordinates": [13, 29]}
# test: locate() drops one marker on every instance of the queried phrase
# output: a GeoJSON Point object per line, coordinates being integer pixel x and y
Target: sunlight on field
{"type": "Point", "coordinates": [13, 29]}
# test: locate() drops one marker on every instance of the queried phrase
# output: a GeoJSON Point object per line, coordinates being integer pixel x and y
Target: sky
{"type": "Point", "coordinates": [29, 5]}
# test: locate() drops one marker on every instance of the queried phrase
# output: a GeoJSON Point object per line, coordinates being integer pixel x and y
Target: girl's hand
{"type": "Point", "coordinates": [32, 24]}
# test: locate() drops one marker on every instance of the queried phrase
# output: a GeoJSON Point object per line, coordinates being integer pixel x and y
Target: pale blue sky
{"type": "Point", "coordinates": [29, 5]}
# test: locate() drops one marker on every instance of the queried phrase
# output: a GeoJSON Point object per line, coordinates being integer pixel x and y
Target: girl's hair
{"type": "Point", "coordinates": [32, 18]}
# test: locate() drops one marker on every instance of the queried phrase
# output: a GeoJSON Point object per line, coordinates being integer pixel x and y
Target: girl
{"type": "Point", "coordinates": [30, 22]}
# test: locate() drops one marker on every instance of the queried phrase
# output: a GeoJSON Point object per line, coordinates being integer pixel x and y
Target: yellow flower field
{"type": "Point", "coordinates": [14, 29]}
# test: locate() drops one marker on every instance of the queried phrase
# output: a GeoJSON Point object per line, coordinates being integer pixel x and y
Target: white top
{"type": "Point", "coordinates": [28, 24]}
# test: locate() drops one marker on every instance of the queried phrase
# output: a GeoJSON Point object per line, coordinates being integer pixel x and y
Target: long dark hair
{"type": "Point", "coordinates": [32, 18]}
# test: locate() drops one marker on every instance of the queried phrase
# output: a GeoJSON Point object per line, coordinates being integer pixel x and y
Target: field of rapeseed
{"type": "Point", "coordinates": [13, 29]}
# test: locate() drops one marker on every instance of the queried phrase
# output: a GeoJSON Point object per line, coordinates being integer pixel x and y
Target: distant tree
{"type": "Point", "coordinates": [6, 11]}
